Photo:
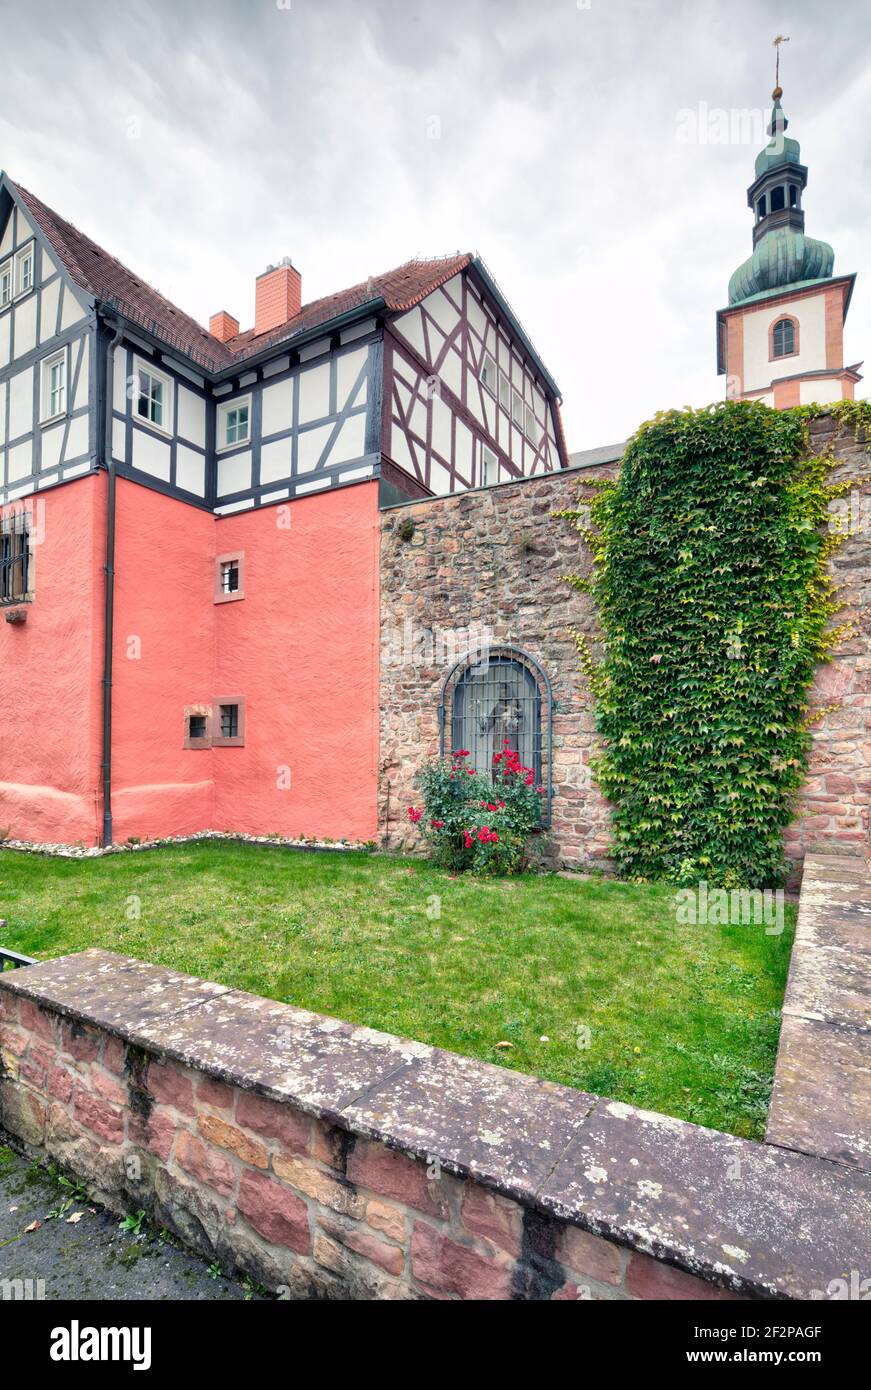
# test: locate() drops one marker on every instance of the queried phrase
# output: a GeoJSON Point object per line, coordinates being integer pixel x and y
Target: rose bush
{"type": "Point", "coordinates": [477, 821]}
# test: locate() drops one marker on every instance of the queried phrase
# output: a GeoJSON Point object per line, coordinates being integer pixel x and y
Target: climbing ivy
{"type": "Point", "coordinates": [714, 601]}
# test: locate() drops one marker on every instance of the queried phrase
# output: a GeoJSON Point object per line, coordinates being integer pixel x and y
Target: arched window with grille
{"type": "Point", "coordinates": [502, 696]}
{"type": "Point", "coordinates": [783, 338]}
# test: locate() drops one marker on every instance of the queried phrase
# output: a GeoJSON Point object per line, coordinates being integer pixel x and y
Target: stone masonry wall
{"type": "Point", "coordinates": [489, 560]}
{"type": "Point", "coordinates": [497, 559]}
{"type": "Point", "coordinates": [329, 1161]}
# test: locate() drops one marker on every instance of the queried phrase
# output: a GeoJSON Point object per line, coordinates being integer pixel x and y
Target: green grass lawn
{"type": "Point", "coordinates": [681, 1019]}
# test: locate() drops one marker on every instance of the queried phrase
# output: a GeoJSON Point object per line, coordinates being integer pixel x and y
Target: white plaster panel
{"type": "Point", "coordinates": [234, 473]}
{"type": "Point", "coordinates": [5, 322]}
{"type": "Point", "coordinates": [20, 461]}
{"type": "Point", "coordinates": [77, 440]}
{"type": "Point", "coordinates": [191, 417]}
{"type": "Point", "coordinates": [72, 311]}
{"type": "Point", "coordinates": [150, 454]}
{"type": "Point", "coordinates": [48, 311]}
{"type": "Point", "coordinates": [25, 326]}
{"type": "Point", "coordinates": [314, 393]}
{"type": "Point", "coordinates": [190, 470]}
{"type": "Point", "coordinates": [351, 441]}
{"type": "Point", "coordinates": [310, 446]}
{"type": "Point", "coordinates": [276, 460]}
{"type": "Point", "coordinates": [820, 391]}
{"type": "Point", "coordinates": [81, 397]}
{"type": "Point", "coordinates": [348, 368]}
{"type": "Point", "coordinates": [277, 407]}
{"type": "Point", "coordinates": [52, 439]}
{"type": "Point", "coordinates": [21, 403]}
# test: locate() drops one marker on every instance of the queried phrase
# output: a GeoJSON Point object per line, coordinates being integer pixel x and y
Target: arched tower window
{"type": "Point", "coordinates": [783, 338]}
{"type": "Point", "coordinates": [503, 696]}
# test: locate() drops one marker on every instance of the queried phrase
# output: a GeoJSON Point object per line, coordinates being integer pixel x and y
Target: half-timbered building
{"type": "Point", "coordinates": [189, 520]}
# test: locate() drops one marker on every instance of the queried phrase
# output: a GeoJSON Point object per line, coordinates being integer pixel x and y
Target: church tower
{"type": "Point", "coordinates": [781, 340]}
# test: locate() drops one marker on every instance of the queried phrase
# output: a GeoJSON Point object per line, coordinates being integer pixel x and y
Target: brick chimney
{"type": "Point", "coordinates": [278, 296]}
{"type": "Point", "coordinates": [223, 326]}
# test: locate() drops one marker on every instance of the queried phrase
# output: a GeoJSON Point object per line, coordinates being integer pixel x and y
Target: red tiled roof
{"type": "Point", "coordinates": [101, 275]}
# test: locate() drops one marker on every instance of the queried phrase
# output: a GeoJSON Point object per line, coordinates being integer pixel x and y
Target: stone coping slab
{"type": "Point", "coordinates": [759, 1220]}
{"type": "Point", "coordinates": [821, 1099]}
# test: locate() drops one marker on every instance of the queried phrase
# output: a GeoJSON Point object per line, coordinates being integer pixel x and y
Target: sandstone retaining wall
{"type": "Point", "coordinates": [332, 1161]}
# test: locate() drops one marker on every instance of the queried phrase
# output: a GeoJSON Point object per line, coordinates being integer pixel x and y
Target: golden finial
{"type": "Point", "coordinates": [778, 90]}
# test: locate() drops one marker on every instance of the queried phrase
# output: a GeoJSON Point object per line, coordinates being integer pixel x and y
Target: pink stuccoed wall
{"type": "Point", "coordinates": [50, 671]}
{"type": "Point", "coordinates": [302, 647]}
{"type": "Point", "coordinates": [164, 659]}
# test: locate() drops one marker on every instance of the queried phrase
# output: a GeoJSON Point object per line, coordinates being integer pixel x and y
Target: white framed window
{"type": "Point", "coordinates": [517, 408]}
{"type": "Point", "coordinates": [504, 392]}
{"type": "Point", "coordinates": [488, 373]}
{"type": "Point", "coordinates": [234, 423]}
{"type": "Point", "coordinates": [489, 467]}
{"type": "Point", "coordinates": [6, 283]}
{"type": "Point", "coordinates": [152, 396]}
{"type": "Point", "coordinates": [24, 270]}
{"type": "Point", "coordinates": [531, 427]}
{"type": "Point", "coordinates": [53, 386]}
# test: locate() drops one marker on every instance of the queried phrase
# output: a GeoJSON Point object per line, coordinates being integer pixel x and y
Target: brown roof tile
{"type": "Point", "coordinates": [101, 275]}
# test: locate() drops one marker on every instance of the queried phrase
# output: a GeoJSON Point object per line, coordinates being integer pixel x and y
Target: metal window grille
{"type": "Point", "coordinates": [503, 696]}
{"type": "Point", "coordinates": [229, 721]}
{"type": "Point", "coordinates": [784, 338]}
{"type": "Point", "coordinates": [197, 726]}
{"type": "Point", "coordinates": [14, 558]}
{"type": "Point", "coordinates": [229, 577]}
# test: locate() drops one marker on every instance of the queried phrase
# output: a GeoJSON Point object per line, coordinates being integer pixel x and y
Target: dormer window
{"type": "Point", "coordinates": [234, 423]}
{"type": "Point", "coordinates": [783, 338]}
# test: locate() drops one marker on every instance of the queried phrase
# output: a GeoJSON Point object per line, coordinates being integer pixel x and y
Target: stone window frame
{"type": "Point", "coordinates": [546, 709]}
{"type": "Point", "coordinates": [237, 740]}
{"type": "Point", "coordinates": [195, 711]}
{"type": "Point", "coordinates": [232, 556]}
{"type": "Point", "coordinates": [782, 357]}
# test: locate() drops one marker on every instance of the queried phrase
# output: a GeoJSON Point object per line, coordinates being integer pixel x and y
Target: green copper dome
{"type": "Point", "coordinates": [783, 257]}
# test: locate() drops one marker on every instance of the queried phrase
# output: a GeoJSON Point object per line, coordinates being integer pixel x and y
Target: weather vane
{"type": "Point", "coordinates": [781, 38]}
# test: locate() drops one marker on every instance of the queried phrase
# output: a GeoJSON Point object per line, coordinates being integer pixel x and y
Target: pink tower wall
{"type": "Point", "coordinates": [50, 672]}
{"type": "Point", "coordinates": [303, 648]}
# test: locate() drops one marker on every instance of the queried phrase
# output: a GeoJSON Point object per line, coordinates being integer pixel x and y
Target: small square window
{"type": "Point", "coordinates": [234, 423]}
{"type": "Point", "coordinates": [229, 729]}
{"type": "Point", "coordinates": [152, 396]}
{"type": "Point", "coordinates": [531, 428]}
{"type": "Point", "coordinates": [24, 271]}
{"type": "Point", "coordinates": [197, 730]}
{"type": "Point", "coordinates": [53, 400]}
{"type": "Point", "coordinates": [488, 373]}
{"type": "Point", "coordinates": [517, 408]}
{"type": "Point", "coordinates": [229, 577]}
{"type": "Point", "coordinates": [5, 284]}
{"type": "Point", "coordinates": [489, 467]}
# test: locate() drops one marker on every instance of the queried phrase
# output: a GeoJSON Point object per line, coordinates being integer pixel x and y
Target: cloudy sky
{"type": "Point", "coordinates": [595, 153]}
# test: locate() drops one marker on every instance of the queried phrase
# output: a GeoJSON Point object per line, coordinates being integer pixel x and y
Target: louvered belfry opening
{"type": "Point", "coordinates": [502, 696]}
